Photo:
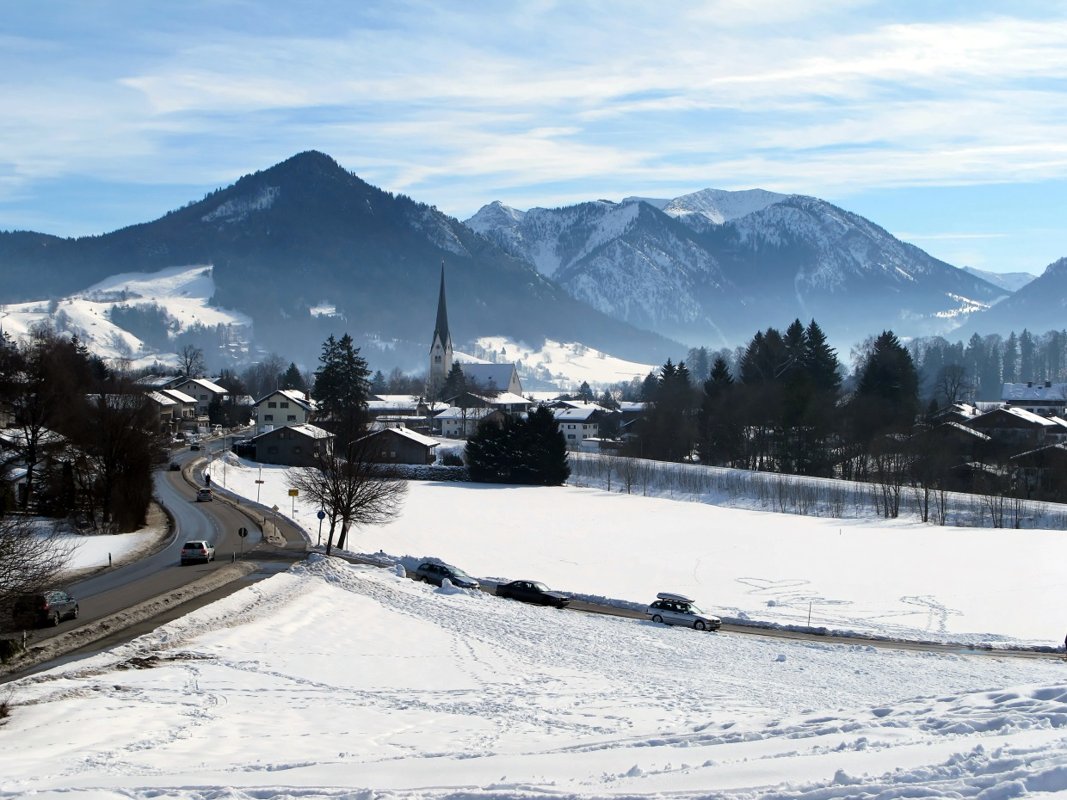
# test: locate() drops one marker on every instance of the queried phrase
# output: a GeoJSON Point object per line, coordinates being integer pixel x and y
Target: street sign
{"type": "Point", "coordinates": [294, 492]}
{"type": "Point", "coordinates": [259, 481]}
{"type": "Point", "coordinates": [242, 532]}
{"type": "Point", "coordinates": [321, 515]}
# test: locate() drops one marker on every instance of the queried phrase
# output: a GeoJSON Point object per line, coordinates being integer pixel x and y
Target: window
{"type": "Point", "coordinates": [292, 418]}
{"type": "Point", "coordinates": [284, 404]}
{"type": "Point", "coordinates": [268, 418]}
{"type": "Point", "coordinates": [437, 359]}
{"type": "Point", "coordinates": [272, 404]}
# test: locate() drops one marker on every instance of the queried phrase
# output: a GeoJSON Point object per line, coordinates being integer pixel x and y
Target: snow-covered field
{"type": "Point", "coordinates": [333, 680]}
{"type": "Point", "coordinates": [889, 578]}
{"type": "Point", "coordinates": [565, 364]}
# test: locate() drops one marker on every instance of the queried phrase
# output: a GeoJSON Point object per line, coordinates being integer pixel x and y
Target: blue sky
{"type": "Point", "coordinates": [946, 123]}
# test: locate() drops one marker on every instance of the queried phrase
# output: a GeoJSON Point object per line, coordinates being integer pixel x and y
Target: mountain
{"type": "Point", "coordinates": [307, 234]}
{"type": "Point", "coordinates": [1039, 306]}
{"type": "Point", "coordinates": [1009, 281]}
{"type": "Point", "coordinates": [713, 267]}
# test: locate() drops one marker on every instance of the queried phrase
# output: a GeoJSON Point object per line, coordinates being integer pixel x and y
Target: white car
{"type": "Point", "coordinates": [677, 609]}
{"type": "Point", "coordinates": [198, 550]}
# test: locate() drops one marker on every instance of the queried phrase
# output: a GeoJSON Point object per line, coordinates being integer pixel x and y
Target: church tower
{"type": "Point", "coordinates": [441, 346]}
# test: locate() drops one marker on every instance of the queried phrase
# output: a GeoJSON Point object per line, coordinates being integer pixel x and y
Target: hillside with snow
{"type": "Point", "coordinates": [563, 365]}
{"type": "Point", "coordinates": [184, 293]}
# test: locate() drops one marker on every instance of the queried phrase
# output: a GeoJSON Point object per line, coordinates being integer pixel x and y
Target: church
{"type": "Point", "coordinates": [489, 378]}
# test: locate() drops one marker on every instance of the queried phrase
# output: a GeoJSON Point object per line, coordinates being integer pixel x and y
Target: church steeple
{"type": "Point", "coordinates": [440, 346]}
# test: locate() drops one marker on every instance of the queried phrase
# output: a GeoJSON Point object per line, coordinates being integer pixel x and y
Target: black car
{"type": "Point", "coordinates": [434, 572]}
{"type": "Point", "coordinates": [532, 592]}
{"type": "Point", "coordinates": [44, 608]}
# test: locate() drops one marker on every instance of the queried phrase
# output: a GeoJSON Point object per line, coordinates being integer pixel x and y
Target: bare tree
{"type": "Point", "coordinates": [30, 557]}
{"type": "Point", "coordinates": [191, 361]}
{"type": "Point", "coordinates": [351, 490]}
{"type": "Point", "coordinates": [952, 384]}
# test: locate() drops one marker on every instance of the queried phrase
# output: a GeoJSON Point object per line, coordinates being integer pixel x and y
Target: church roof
{"type": "Point", "coordinates": [488, 376]}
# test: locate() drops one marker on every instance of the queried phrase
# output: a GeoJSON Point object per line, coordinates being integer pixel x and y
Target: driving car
{"type": "Point", "coordinates": [197, 551]}
{"type": "Point", "coordinates": [44, 608]}
{"type": "Point", "coordinates": [677, 609]}
{"type": "Point", "coordinates": [532, 592]}
{"type": "Point", "coordinates": [194, 446]}
{"type": "Point", "coordinates": [203, 495]}
{"type": "Point", "coordinates": [435, 572]}
{"type": "Point", "coordinates": [175, 466]}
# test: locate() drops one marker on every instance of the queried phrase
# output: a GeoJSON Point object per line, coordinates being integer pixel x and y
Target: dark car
{"type": "Point", "coordinates": [175, 466]}
{"type": "Point", "coordinates": [532, 592]}
{"type": "Point", "coordinates": [194, 446]}
{"type": "Point", "coordinates": [44, 608]}
{"type": "Point", "coordinates": [435, 572]}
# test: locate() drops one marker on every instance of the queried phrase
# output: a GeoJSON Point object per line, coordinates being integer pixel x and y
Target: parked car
{"type": "Point", "coordinates": [203, 496]}
{"type": "Point", "coordinates": [435, 572]}
{"type": "Point", "coordinates": [44, 608]}
{"type": "Point", "coordinates": [677, 609]}
{"type": "Point", "coordinates": [175, 466]}
{"type": "Point", "coordinates": [532, 592]}
{"type": "Point", "coordinates": [197, 551]}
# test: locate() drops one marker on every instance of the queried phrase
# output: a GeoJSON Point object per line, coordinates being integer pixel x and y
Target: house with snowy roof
{"type": "Point", "coordinates": [1016, 428]}
{"type": "Point", "coordinates": [1047, 398]}
{"type": "Point", "coordinates": [398, 446]}
{"type": "Point", "coordinates": [204, 391]}
{"type": "Point", "coordinates": [459, 423]}
{"type": "Point", "coordinates": [579, 424]}
{"type": "Point", "coordinates": [292, 445]}
{"type": "Point", "coordinates": [283, 407]}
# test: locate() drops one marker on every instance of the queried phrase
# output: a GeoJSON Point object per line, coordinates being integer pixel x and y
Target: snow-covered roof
{"type": "Point", "coordinates": [630, 405]}
{"type": "Point", "coordinates": [1030, 416]}
{"type": "Point", "coordinates": [454, 412]}
{"type": "Point", "coordinates": [305, 429]}
{"type": "Point", "coordinates": [180, 396]}
{"type": "Point", "coordinates": [575, 414]}
{"type": "Point", "coordinates": [16, 437]}
{"type": "Point", "coordinates": [295, 395]}
{"type": "Point", "coordinates": [1047, 448]}
{"type": "Point", "coordinates": [504, 399]}
{"type": "Point", "coordinates": [204, 383]}
{"type": "Point", "coordinates": [969, 431]}
{"type": "Point", "coordinates": [161, 399]}
{"type": "Point", "coordinates": [1030, 392]}
{"type": "Point", "coordinates": [418, 438]}
{"type": "Point", "coordinates": [489, 375]}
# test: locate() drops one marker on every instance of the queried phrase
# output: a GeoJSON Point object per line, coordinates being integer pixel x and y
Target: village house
{"type": "Point", "coordinates": [283, 407]}
{"type": "Point", "coordinates": [1047, 399]}
{"type": "Point", "coordinates": [1042, 473]}
{"type": "Point", "coordinates": [459, 423]}
{"type": "Point", "coordinates": [398, 446]}
{"type": "Point", "coordinates": [579, 424]}
{"type": "Point", "coordinates": [203, 391]}
{"type": "Point", "coordinates": [1015, 428]}
{"type": "Point", "coordinates": [292, 445]}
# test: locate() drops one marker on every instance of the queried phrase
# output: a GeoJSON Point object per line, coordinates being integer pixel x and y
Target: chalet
{"type": "Point", "coordinates": [283, 407]}
{"type": "Point", "coordinates": [1012, 427]}
{"type": "Point", "coordinates": [184, 409]}
{"type": "Point", "coordinates": [506, 402]}
{"type": "Point", "coordinates": [292, 445]}
{"type": "Point", "coordinates": [166, 410]}
{"type": "Point", "coordinates": [398, 446]}
{"type": "Point", "coordinates": [459, 423]}
{"type": "Point", "coordinates": [204, 391]}
{"type": "Point", "coordinates": [579, 424]}
{"type": "Point", "coordinates": [405, 410]}
{"type": "Point", "coordinates": [1048, 399]}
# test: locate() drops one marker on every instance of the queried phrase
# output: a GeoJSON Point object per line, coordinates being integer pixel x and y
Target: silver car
{"type": "Point", "coordinates": [677, 609]}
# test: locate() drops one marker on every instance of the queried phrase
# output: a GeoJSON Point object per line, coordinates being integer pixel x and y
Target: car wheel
{"type": "Point", "coordinates": [75, 612]}
{"type": "Point", "coordinates": [699, 625]}
{"type": "Point", "coordinates": [53, 619]}
{"type": "Point", "coordinates": [657, 618]}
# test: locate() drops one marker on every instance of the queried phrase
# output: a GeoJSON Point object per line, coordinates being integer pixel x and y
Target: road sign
{"type": "Point", "coordinates": [294, 492]}
{"type": "Point", "coordinates": [321, 515]}
{"type": "Point", "coordinates": [242, 532]}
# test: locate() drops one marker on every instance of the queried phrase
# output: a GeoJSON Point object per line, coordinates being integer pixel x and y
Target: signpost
{"type": "Point", "coordinates": [259, 483]}
{"type": "Point", "coordinates": [294, 493]}
{"type": "Point", "coordinates": [321, 515]}
{"type": "Point", "coordinates": [242, 532]}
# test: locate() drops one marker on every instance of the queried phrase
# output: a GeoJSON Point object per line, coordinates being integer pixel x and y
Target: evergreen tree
{"type": "Point", "coordinates": [528, 451]}
{"type": "Point", "coordinates": [1010, 363]}
{"type": "Point", "coordinates": [1027, 356]}
{"type": "Point", "coordinates": [585, 393]}
{"type": "Point", "coordinates": [455, 383]}
{"type": "Point", "coordinates": [378, 384]}
{"type": "Point", "coordinates": [292, 379]}
{"type": "Point", "coordinates": [888, 389]}
{"type": "Point", "coordinates": [342, 389]}
{"type": "Point", "coordinates": [820, 360]}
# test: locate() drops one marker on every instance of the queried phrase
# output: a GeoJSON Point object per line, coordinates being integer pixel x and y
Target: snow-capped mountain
{"type": "Point", "coordinates": [1009, 281]}
{"type": "Point", "coordinates": [713, 267]}
{"type": "Point", "coordinates": [1039, 306]}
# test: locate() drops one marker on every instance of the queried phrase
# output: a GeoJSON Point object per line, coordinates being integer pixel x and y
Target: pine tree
{"type": "Point", "coordinates": [455, 383]}
{"type": "Point", "coordinates": [585, 393]}
{"type": "Point", "coordinates": [292, 379]}
{"type": "Point", "coordinates": [889, 385]}
{"type": "Point", "coordinates": [820, 360]}
{"type": "Point", "coordinates": [528, 451]}
{"type": "Point", "coordinates": [342, 389]}
{"type": "Point", "coordinates": [378, 384]}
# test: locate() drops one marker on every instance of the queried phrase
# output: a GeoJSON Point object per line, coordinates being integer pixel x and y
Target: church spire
{"type": "Point", "coordinates": [440, 346]}
{"type": "Point", "coordinates": [441, 331]}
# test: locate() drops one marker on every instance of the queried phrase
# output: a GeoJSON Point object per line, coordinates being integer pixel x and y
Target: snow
{"type": "Point", "coordinates": [184, 291]}
{"type": "Point", "coordinates": [566, 364]}
{"type": "Point", "coordinates": [336, 680]}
